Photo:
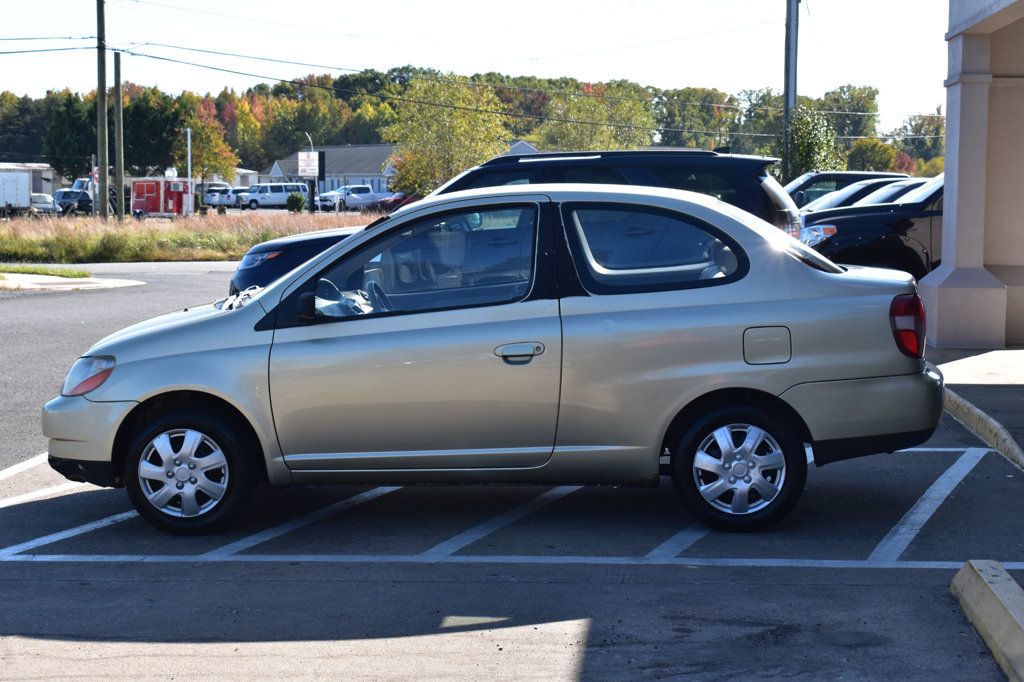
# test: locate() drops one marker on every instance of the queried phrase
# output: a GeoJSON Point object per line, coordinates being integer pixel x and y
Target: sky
{"type": "Point", "coordinates": [894, 45]}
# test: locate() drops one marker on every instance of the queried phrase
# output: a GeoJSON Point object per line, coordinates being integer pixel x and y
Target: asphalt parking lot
{"type": "Point", "coordinates": [467, 581]}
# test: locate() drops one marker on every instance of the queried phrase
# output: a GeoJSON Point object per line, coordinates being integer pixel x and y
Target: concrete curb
{"type": "Point", "coordinates": [994, 604]}
{"type": "Point", "coordinates": [983, 426]}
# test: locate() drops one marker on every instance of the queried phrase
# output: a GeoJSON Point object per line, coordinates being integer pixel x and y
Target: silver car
{"type": "Point", "coordinates": [540, 334]}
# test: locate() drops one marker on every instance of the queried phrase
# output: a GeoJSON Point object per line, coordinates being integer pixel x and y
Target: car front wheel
{"type": "Point", "coordinates": [739, 468]}
{"type": "Point", "coordinates": [188, 473]}
{"type": "Point", "coordinates": [253, 204]}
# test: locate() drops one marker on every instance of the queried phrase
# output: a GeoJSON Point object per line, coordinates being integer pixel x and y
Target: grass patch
{"type": "Point", "coordinates": [217, 237]}
{"type": "Point", "coordinates": [73, 273]}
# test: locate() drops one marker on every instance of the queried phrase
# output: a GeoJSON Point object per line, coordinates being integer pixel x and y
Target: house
{"type": "Point", "coordinates": [975, 298]}
{"type": "Point", "coordinates": [244, 177]}
{"type": "Point", "coordinates": [521, 147]}
{"type": "Point", "coordinates": [350, 164]}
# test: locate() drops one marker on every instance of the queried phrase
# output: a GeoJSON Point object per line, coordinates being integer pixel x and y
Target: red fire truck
{"type": "Point", "coordinates": [163, 197]}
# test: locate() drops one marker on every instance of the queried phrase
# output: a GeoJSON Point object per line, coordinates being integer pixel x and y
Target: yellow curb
{"type": "Point", "coordinates": [994, 604]}
{"type": "Point", "coordinates": [983, 426]}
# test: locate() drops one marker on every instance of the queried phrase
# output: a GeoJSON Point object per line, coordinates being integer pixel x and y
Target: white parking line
{"type": "Point", "coordinates": [468, 537]}
{"type": "Point", "coordinates": [680, 542]}
{"type": "Point", "coordinates": [322, 513]}
{"type": "Point", "coordinates": [8, 552]}
{"type": "Point", "coordinates": [52, 491]}
{"type": "Point", "coordinates": [904, 532]}
{"type": "Point", "coordinates": [16, 469]}
{"type": "Point", "coordinates": [509, 559]}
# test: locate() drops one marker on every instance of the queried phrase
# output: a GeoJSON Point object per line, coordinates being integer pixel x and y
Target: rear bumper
{"type": "Point", "coordinates": [864, 416]}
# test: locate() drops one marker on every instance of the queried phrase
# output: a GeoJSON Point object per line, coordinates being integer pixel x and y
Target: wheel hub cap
{"type": "Point", "coordinates": [183, 473]}
{"type": "Point", "coordinates": [739, 469]}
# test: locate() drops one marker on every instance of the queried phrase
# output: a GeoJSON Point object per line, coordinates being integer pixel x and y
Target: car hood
{"type": "Point", "coordinates": [829, 214]}
{"type": "Point", "coordinates": [305, 239]}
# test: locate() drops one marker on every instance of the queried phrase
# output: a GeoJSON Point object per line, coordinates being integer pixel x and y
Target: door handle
{"type": "Point", "coordinates": [519, 352]}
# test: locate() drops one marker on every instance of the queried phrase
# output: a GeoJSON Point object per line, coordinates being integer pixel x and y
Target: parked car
{"type": "Point", "coordinates": [44, 205]}
{"type": "Point", "coordinates": [904, 235]}
{"type": "Point", "coordinates": [73, 200]}
{"type": "Point", "coordinates": [742, 181]}
{"type": "Point", "coordinates": [395, 202]}
{"type": "Point", "coordinates": [273, 194]}
{"type": "Point", "coordinates": [267, 261]}
{"type": "Point", "coordinates": [332, 200]}
{"type": "Point", "coordinates": [539, 334]}
{"type": "Point", "coordinates": [890, 193]}
{"type": "Point", "coordinates": [847, 195]}
{"type": "Point", "coordinates": [815, 184]}
{"type": "Point", "coordinates": [216, 196]}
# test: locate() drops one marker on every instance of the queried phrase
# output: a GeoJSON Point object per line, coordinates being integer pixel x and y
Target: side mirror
{"type": "Point", "coordinates": [307, 307]}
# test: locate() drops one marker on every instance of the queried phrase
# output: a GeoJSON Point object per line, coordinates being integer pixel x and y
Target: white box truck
{"type": "Point", "coordinates": [15, 191]}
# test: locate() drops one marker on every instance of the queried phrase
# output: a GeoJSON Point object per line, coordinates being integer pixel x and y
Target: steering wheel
{"type": "Point", "coordinates": [378, 299]}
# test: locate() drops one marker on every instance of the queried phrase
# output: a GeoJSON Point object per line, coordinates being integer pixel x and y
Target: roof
{"type": "Point", "coordinates": [25, 166]}
{"type": "Point", "coordinates": [645, 154]}
{"type": "Point", "coordinates": [348, 159]}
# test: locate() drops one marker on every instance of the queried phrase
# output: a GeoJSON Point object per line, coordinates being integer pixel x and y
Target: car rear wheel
{"type": "Point", "coordinates": [188, 473]}
{"type": "Point", "coordinates": [739, 468]}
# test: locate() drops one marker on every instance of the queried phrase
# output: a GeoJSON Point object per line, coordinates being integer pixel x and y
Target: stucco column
{"type": "Point", "coordinates": [965, 303]}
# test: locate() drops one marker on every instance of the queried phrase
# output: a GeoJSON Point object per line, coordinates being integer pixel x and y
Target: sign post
{"type": "Point", "coordinates": [309, 168]}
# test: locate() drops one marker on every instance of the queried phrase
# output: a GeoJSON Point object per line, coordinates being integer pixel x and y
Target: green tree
{"type": "Point", "coordinates": [152, 126]}
{"type": "Point", "coordinates": [871, 155]}
{"type": "Point", "coordinates": [696, 110]}
{"type": "Point", "coordinates": [434, 143]}
{"type": "Point", "coordinates": [368, 121]}
{"type": "Point", "coordinates": [860, 99]}
{"type": "Point", "coordinates": [922, 136]}
{"type": "Point", "coordinates": [930, 168]}
{"type": "Point", "coordinates": [70, 138]}
{"type": "Point", "coordinates": [23, 122]}
{"type": "Point", "coordinates": [607, 116]}
{"type": "Point", "coordinates": [814, 144]}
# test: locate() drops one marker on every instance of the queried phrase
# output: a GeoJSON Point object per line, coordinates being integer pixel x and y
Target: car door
{"type": "Point", "coordinates": [436, 345]}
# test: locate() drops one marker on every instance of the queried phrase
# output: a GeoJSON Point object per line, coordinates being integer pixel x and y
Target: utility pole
{"type": "Point", "coordinates": [789, 87]}
{"type": "Point", "coordinates": [101, 112]}
{"type": "Point", "coordinates": [118, 140]}
{"type": "Point", "coordinates": [190, 208]}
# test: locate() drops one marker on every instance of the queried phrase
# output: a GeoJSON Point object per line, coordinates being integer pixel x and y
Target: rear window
{"type": "Point", "coordinates": [518, 176]}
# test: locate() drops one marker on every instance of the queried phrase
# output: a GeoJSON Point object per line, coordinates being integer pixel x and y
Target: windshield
{"type": "Point", "coordinates": [888, 193]}
{"type": "Point", "coordinates": [924, 192]}
{"type": "Point", "coordinates": [833, 199]}
{"type": "Point", "coordinates": [42, 199]}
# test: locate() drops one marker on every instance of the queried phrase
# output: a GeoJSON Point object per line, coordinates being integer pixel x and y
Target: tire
{"type": "Point", "coordinates": [253, 204]}
{"type": "Point", "coordinates": [160, 462]}
{"type": "Point", "coordinates": [708, 486]}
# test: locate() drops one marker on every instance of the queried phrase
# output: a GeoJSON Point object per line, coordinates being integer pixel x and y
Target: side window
{"type": "Point", "coordinates": [818, 189]}
{"type": "Point", "coordinates": [456, 260]}
{"type": "Point", "coordinates": [519, 176]}
{"type": "Point", "coordinates": [624, 249]}
{"type": "Point", "coordinates": [264, 190]}
{"type": "Point", "coordinates": [601, 175]}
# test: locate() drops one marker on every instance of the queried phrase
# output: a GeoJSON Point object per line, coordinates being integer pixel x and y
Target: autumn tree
{"type": "Point", "coordinates": [871, 155]}
{"type": "Point", "coordinates": [922, 136]}
{"type": "Point", "coordinates": [696, 117]}
{"type": "Point", "coordinates": [433, 142]}
{"type": "Point", "coordinates": [615, 115]}
{"type": "Point", "coordinates": [210, 153]}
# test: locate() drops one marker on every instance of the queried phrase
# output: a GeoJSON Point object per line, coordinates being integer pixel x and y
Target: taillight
{"type": "Point", "coordinates": [906, 314]}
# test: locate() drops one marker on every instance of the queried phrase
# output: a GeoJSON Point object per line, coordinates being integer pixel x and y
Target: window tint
{"type": "Point", "coordinates": [594, 174]}
{"type": "Point", "coordinates": [718, 184]}
{"type": "Point", "coordinates": [457, 260]}
{"type": "Point", "coordinates": [630, 248]}
{"type": "Point", "coordinates": [816, 190]}
{"type": "Point", "coordinates": [518, 176]}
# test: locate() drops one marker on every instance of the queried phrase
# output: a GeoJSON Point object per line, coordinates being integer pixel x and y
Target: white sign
{"type": "Point", "coordinates": [309, 164]}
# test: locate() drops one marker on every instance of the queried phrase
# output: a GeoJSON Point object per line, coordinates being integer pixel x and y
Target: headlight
{"type": "Point", "coordinates": [87, 374]}
{"type": "Point", "coordinates": [252, 260]}
{"type": "Point", "coordinates": [816, 233]}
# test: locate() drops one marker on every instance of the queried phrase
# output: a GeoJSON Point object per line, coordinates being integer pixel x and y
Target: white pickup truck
{"type": "Point", "coordinates": [352, 197]}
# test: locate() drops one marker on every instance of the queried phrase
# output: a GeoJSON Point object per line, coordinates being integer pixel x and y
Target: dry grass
{"type": "Point", "coordinates": [216, 237]}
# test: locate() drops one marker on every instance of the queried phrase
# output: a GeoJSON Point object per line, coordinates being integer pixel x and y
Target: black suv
{"type": "Point", "coordinates": [904, 235]}
{"type": "Point", "coordinates": [742, 181]}
{"type": "Point", "coordinates": [816, 184]}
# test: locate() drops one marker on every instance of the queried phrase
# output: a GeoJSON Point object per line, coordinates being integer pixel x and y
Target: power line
{"type": "Point", "coordinates": [28, 38]}
{"type": "Point", "coordinates": [49, 49]}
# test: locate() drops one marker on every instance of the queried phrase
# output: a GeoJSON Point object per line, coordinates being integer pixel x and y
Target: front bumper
{"type": "Point", "coordinates": [81, 435]}
{"type": "Point", "coordinates": [864, 416]}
